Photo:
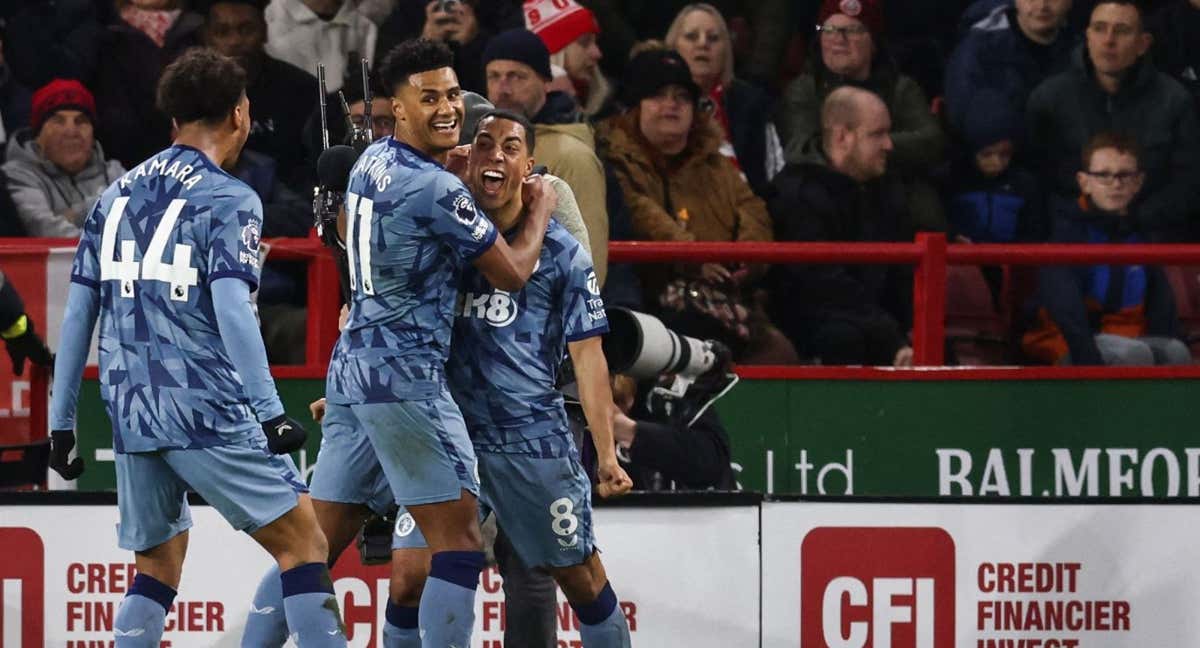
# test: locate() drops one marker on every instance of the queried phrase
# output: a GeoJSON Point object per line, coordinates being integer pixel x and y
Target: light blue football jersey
{"type": "Point", "coordinates": [508, 348]}
{"type": "Point", "coordinates": [411, 226]}
{"type": "Point", "coordinates": [153, 245]}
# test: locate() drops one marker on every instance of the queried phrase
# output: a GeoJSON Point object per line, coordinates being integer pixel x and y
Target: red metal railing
{"type": "Point", "coordinates": [929, 255]}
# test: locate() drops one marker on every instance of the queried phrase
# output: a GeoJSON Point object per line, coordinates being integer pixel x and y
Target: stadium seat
{"type": "Point", "coordinates": [1185, 285]}
{"type": "Point", "coordinates": [976, 331]}
{"type": "Point", "coordinates": [23, 466]}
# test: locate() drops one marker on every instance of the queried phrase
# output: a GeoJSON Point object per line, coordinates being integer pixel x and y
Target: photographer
{"type": "Point", "coordinates": [664, 452]}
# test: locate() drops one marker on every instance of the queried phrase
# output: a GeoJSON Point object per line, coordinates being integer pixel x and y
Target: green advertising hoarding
{"type": "Point", "coordinates": [1039, 438]}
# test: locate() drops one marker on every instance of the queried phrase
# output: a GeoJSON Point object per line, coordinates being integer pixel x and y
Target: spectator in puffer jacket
{"type": "Point", "coordinates": [988, 198]}
{"type": "Point", "coordinates": [1176, 29]}
{"type": "Point", "coordinates": [843, 191]}
{"type": "Point", "coordinates": [56, 169]}
{"type": "Point", "coordinates": [143, 39]}
{"type": "Point", "coordinates": [1105, 314]}
{"type": "Point", "coordinates": [1010, 50]}
{"type": "Point", "coordinates": [1113, 86]}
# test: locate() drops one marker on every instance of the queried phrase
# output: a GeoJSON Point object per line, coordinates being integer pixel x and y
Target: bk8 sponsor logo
{"type": "Point", "coordinates": [877, 586]}
{"type": "Point", "coordinates": [22, 569]}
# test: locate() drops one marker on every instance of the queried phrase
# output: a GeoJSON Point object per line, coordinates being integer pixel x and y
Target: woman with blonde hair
{"type": "Point", "coordinates": [701, 36]}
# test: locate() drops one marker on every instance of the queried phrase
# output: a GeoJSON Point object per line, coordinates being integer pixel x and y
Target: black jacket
{"type": "Point", "coordinates": [1176, 29]}
{"type": "Point", "coordinates": [131, 126]}
{"type": "Point", "coordinates": [282, 97]}
{"type": "Point", "coordinates": [560, 108]}
{"type": "Point", "coordinates": [749, 112]}
{"type": "Point", "coordinates": [995, 54]}
{"type": "Point", "coordinates": [1068, 109]}
{"type": "Point", "coordinates": [44, 41]}
{"type": "Point", "coordinates": [812, 202]}
{"type": "Point", "coordinates": [692, 458]}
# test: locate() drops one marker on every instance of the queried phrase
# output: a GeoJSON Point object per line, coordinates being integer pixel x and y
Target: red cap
{"type": "Point", "coordinates": [868, 12]}
{"type": "Point", "coordinates": [559, 22]}
{"type": "Point", "coordinates": [61, 94]}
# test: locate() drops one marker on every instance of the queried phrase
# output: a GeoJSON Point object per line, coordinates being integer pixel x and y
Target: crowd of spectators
{"type": "Point", "coordinates": [771, 120]}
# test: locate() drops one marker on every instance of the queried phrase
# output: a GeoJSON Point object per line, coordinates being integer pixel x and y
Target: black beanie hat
{"type": "Point", "coordinates": [990, 118]}
{"type": "Point", "coordinates": [654, 70]}
{"type": "Point", "coordinates": [522, 46]}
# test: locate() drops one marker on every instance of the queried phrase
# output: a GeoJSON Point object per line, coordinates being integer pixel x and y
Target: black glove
{"type": "Point", "coordinates": [61, 443]}
{"type": "Point", "coordinates": [284, 434]}
{"type": "Point", "coordinates": [27, 346]}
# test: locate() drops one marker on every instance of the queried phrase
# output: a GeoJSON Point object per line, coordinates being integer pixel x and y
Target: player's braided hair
{"type": "Point", "coordinates": [413, 57]}
{"type": "Point", "coordinates": [201, 85]}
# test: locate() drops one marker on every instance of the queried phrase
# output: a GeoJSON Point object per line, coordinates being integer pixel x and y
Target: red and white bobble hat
{"type": "Point", "coordinates": [559, 22]}
{"type": "Point", "coordinates": [868, 12]}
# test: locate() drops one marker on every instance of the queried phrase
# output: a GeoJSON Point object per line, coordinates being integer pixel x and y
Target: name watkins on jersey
{"type": "Point", "coordinates": [180, 172]}
{"type": "Point", "coordinates": [376, 170]}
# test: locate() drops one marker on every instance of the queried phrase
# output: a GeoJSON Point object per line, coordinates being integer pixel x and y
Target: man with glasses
{"type": "Point", "coordinates": [1117, 88]}
{"type": "Point", "coordinates": [1105, 314]}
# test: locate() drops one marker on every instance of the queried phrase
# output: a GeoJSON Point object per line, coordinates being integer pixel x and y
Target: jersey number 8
{"type": "Point", "coordinates": [179, 273]}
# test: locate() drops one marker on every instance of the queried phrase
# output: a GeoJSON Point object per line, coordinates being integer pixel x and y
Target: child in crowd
{"type": "Point", "coordinates": [1105, 314]}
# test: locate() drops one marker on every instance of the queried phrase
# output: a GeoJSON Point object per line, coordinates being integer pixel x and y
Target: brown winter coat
{"type": "Point", "coordinates": [704, 196]}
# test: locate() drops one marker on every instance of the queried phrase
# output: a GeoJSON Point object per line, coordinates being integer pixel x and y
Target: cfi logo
{"type": "Point", "coordinates": [250, 236]}
{"type": "Point", "coordinates": [405, 525]}
{"type": "Point", "coordinates": [497, 308]}
{"type": "Point", "coordinates": [877, 586]}
{"type": "Point", "coordinates": [593, 284]}
{"type": "Point", "coordinates": [22, 582]}
{"type": "Point", "coordinates": [464, 209]}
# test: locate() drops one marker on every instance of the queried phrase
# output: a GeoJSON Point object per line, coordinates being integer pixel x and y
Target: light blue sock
{"type": "Point", "coordinates": [400, 627]}
{"type": "Point", "coordinates": [143, 613]}
{"type": "Point", "coordinates": [601, 622]}
{"type": "Point", "coordinates": [447, 611]}
{"type": "Point", "coordinates": [313, 617]}
{"type": "Point", "coordinates": [266, 627]}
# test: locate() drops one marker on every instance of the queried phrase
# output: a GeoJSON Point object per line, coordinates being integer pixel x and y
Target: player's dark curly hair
{"type": "Point", "coordinates": [413, 57]}
{"type": "Point", "coordinates": [201, 85]}
{"type": "Point", "coordinates": [500, 113]}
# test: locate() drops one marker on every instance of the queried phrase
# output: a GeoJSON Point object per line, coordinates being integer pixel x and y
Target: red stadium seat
{"type": "Point", "coordinates": [1185, 285]}
{"type": "Point", "coordinates": [977, 331]}
{"type": "Point", "coordinates": [24, 466]}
